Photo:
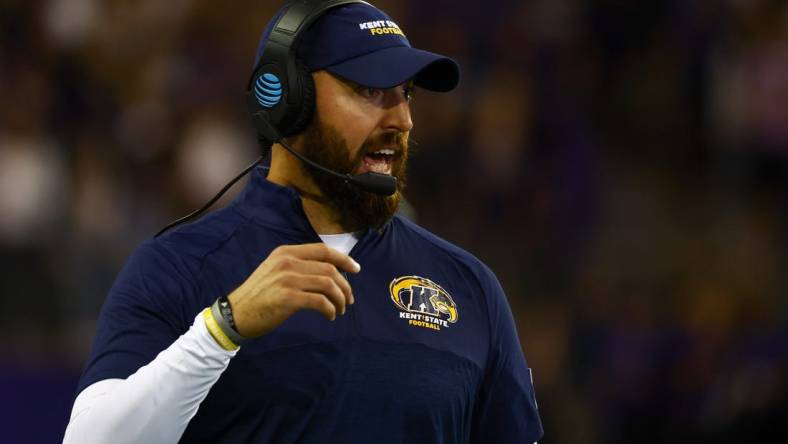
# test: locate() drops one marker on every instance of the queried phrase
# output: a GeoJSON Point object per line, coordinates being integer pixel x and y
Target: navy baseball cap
{"type": "Point", "coordinates": [363, 44]}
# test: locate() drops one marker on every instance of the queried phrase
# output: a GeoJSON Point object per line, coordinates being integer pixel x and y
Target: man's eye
{"type": "Point", "coordinates": [408, 92]}
{"type": "Point", "coordinates": [370, 93]}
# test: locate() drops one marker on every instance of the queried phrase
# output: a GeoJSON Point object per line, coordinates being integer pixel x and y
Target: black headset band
{"type": "Point", "coordinates": [289, 28]}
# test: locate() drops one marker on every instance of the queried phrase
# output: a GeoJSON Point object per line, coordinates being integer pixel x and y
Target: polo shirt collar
{"type": "Point", "coordinates": [279, 206]}
{"type": "Point", "coordinates": [272, 204]}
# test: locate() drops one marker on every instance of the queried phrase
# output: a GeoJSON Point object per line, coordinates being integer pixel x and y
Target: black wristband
{"type": "Point", "coordinates": [223, 313]}
{"type": "Point", "coordinates": [227, 311]}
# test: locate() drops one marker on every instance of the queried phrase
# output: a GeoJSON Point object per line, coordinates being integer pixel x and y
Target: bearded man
{"type": "Point", "coordinates": [418, 343]}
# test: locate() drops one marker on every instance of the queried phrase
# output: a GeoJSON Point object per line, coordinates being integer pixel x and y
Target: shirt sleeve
{"type": "Point", "coordinates": [151, 303]}
{"type": "Point", "coordinates": [506, 410]}
{"type": "Point", "coordinates": [155, 404]}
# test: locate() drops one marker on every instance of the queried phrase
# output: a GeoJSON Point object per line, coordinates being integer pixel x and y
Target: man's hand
{"type": "Point", "coordinates": [292, 278]}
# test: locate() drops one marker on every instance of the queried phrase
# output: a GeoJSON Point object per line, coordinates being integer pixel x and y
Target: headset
{"type": "Point", "coordinates": [280, 98]}
{"type": "Point", "coordinates": [281, 93]}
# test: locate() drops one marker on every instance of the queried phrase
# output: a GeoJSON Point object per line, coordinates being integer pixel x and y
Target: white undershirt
{"type": "Point", "coordinates": [155, 404]}
{"type": "Point", "coordinates": [341, 242]}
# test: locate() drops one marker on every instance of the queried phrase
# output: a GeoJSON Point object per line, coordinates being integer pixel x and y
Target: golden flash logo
{"type": "Point", "coordinates": [423, 302]}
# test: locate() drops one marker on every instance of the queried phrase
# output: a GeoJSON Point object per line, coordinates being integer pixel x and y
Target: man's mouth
{"type": "Point", "coordinates": [379, 161]}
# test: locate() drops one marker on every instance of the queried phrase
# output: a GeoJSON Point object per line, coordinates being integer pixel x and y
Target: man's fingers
{"type": "Point", "coordinates": [315, 301]}
{"type": "Point", "coordinates": [323, 253]}
{"type": "Point", "coordinates": [326, 286]}
{"type": "Point", "coordinates": [292, 278]}
{"type": "Point", "coordinates": [326, 269]}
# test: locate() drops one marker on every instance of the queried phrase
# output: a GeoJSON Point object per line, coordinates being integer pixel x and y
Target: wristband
{"type": "Point", "coordinates": [216, 331]}
{"type": "Point", "coordinates": [224, 318]}
{"type": "Point", "coordinates": [227, 311]}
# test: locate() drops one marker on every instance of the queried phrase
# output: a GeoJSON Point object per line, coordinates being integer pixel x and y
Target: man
{"type": "Point", "coordinates": [418, 342]}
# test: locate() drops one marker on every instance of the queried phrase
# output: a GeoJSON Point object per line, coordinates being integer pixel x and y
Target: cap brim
{"type": "Point", "coordinates": [389, 67]}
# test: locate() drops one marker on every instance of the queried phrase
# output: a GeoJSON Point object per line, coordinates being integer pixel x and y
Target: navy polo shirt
{"type": "Point", "coordinates": [427, 354]}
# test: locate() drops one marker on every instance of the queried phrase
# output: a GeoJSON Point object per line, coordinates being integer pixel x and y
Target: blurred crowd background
{"type": "Point", "coordinates": [622, 165]}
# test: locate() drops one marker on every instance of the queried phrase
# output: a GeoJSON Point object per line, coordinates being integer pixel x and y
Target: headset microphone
{"type": "Point", "coordinates": [371, 182]}
{"type": "Point", "coordinates": [376, 183]}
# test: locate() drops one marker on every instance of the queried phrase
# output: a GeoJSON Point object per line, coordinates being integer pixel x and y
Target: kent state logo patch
{"type": "Point", "coordinates": [423, 302]}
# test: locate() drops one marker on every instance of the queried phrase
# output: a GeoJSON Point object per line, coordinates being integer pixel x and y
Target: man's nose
{"type": "Point", "coordinates": [397, 111]}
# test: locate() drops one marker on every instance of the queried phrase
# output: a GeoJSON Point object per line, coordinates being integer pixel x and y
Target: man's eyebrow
{"type": "Point", "coordinates": [352, 84]}
{"type": "Point", "coordinates": [343, 80]}
{"type": "Point", "coordinates": [356, 86]}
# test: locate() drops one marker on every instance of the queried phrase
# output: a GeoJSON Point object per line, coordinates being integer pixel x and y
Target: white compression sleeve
{"type": "Point", "coordinates": [156, 403]}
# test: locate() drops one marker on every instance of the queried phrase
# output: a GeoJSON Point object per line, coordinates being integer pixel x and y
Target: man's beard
{"type": "Point", "coordinates": [355, 209]}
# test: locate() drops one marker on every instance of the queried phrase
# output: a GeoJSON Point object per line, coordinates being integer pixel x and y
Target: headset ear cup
{"type": "Point", "coordinates": [307, 109]}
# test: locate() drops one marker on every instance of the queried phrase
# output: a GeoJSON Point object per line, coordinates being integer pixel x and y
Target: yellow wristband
{"type": "Point", "coordinates": [217, 332]}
